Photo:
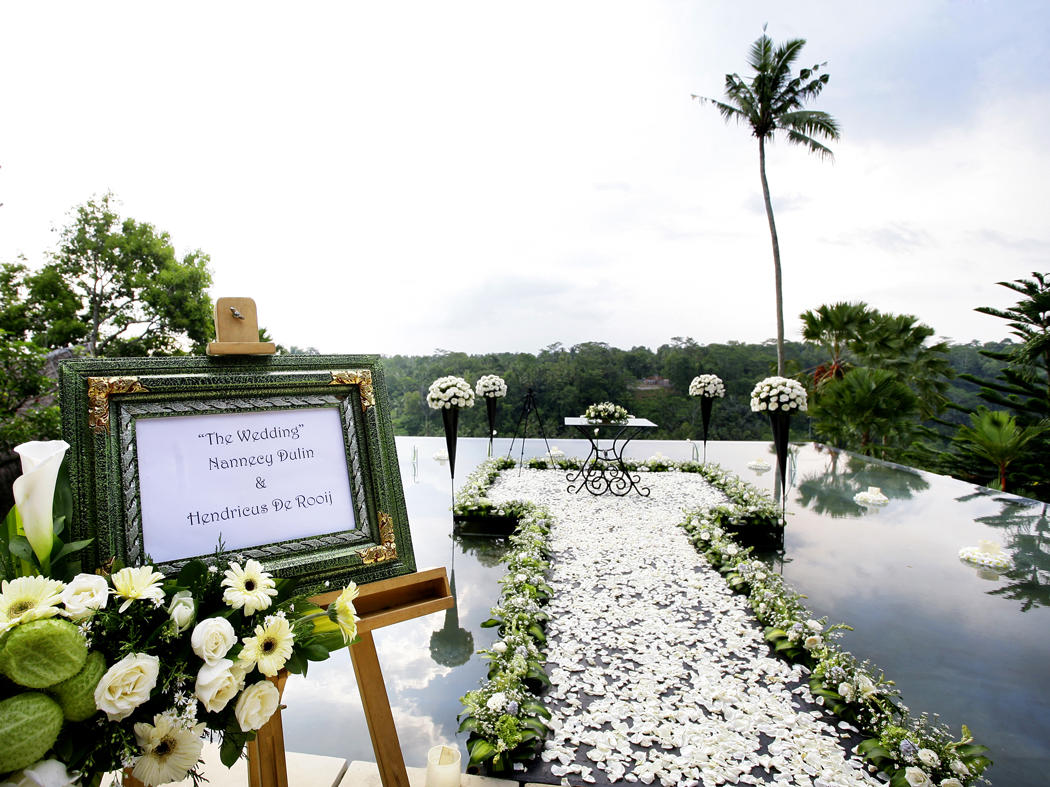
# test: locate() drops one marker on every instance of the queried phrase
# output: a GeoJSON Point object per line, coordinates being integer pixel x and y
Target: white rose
{"type": "Point", "coordinates": [499, 647]}
{"type": "Point", "coordinates": [182, 610]}
{"type": "Point", "coordinates": [212, 639]}
{"type": "Point", "coordinates": [814, 625]}
{"type": "Point", "coordinates": [959, 767]}
{"type": "Point", "coordinates": [846, 690]}
{"type": "Point", "coordinates": [811, 642]}
{"type": "Point", "coordinates": [865, 687]}
{"type": "Point", "coordinates": [126, 685]}
{"type": "Point", "coordinates": [917, 777]}
{"type": "Point", "coordinates": [256, 705]}
{"type": "Point", "coordinates": [216, 685]}
{"type": "Point", "coordinates": [929, 758]}
{"type": "Point", "coordinates": [46, 773]}
{"type": "Point", "coordinates": [951, 782]}
{"type": "Point", "coordinates": [86, 594]}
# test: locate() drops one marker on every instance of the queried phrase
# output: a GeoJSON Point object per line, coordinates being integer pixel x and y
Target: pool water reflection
{"type": "Point", "coordinates": [960, 641]}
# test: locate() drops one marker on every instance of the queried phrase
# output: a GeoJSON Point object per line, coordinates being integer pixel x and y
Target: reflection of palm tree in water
{"type": "Point", "coordinates": [451, 645]}
{"type": "Point", "coordinates": [831, 492]}
{"type": "Point", "coordinates": [1027, 527]}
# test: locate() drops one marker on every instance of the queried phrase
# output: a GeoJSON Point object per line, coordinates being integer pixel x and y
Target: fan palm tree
{"type": "Point", "coordinates": [995, 435]}
{"type": "Point", "coordinates": [834, 327]}
{"type": "Point", "coordinates": [773, 99]}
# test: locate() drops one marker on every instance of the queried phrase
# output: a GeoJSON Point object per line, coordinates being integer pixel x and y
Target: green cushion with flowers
{"type": "Point", "coordinates": [43, 652]}
{"type": "Point", "coordinates": [76, 695]}
{"type": "Point", "coordinates": [29, 726]}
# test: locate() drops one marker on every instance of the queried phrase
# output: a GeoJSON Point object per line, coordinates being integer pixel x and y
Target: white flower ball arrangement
{"type": "Point", "coordinates": [778, 393]}
{"type": "Point", "coordinates": [491, 386]}
{"type": "Point", "coordinates": [708, 385]}
{"type": "Point", "coordinates": [446, 392]}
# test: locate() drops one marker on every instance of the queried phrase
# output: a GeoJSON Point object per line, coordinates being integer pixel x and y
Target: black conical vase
{"type": "Point", "coordinates": [781, 423]}
{"type": "Point", "coordinates": [490, 409]}
{"type": "Point", "coordinates": [706, 403]}
{"type": "Point", "coordinates": [450, 417]}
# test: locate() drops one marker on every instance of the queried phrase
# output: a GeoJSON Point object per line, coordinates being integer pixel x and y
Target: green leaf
{"type": "Point", "coordinates": [469, 724]}
{"type": "Point", "coordinates": [296, 663]}
{"type": "Point", "coordinates": [65, 550]}
{"type": "Point", "coordinates": [19, 547]}
{"type": "Point", "coordinates": [480, 750]}
{"type": "Point", "coordinates": [491, 623]}
{"type": "Point", "coordinates": [537, 633]}
{"type": "Point", "coordinates": [314, 651]}
{"type": "Point", "coordinates": [231, 748]}
{"type": "Point", "coordinates": [970, 749]}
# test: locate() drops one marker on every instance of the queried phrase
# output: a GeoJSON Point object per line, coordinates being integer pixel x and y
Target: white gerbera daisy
{"type": "Point", "coordinates": [271, 646]}
{"type": "Point", "coordinates": [345, 614]}
{"type": "Point", "coordinates": [138, 583]}
{"type": "Point", "coordinates": [28, 598]}
{"type": "Point", "coordinates": [249, 587]}
{"type": "Point", "coordinates": [169, 749]}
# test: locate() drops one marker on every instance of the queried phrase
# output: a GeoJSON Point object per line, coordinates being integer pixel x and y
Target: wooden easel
{"type": "Point", "coordinates": [378, 604]}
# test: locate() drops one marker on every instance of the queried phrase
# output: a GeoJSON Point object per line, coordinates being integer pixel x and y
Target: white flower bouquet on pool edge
{"type": "Point", "coordinates": [131, 669]}
{"type": "Point", "coordinates": [491, 386]}
{"type": "Point", "coordinates": [709, 385]}
{"type": "Point", "coordinates": [606, 412]}
{"type": "Point", "coordinates": [778, 393]}
{"type": "Point", "coordinates": [449, 391]}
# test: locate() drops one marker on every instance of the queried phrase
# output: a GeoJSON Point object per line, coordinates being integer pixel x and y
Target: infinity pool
{"type": "Point", "coordinates": [966, 643]}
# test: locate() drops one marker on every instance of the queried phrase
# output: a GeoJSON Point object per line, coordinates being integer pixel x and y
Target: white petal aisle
{"type": "Point", "coordinates": [660, 673]}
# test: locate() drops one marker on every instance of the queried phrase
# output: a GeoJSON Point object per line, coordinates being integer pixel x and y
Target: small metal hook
{"type": "Point", "coordinates": [236, 313]}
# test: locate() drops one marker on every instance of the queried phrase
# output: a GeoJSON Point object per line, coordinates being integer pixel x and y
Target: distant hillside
{"type": "Point", "coordinates": [649, 384]}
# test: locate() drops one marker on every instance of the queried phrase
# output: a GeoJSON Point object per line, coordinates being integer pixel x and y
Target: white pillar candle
{"type": "Point", "coordinates": [443, 767]}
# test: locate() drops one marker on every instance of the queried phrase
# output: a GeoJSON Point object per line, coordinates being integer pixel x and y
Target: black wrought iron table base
{"type": "Point", "coordinates": [604, 471]}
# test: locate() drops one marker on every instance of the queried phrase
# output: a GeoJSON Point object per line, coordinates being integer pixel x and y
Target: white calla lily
{"type": "Point", "coordinates": [34, 491]}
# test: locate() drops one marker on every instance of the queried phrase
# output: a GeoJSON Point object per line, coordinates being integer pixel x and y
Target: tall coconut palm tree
{"type": "Point", "coordinates": [773, 99]}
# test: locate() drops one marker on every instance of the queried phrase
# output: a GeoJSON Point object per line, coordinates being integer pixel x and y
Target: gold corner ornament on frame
{"type": "Point", "coordinates": [361, 378]}
{"type": "Point", "coordinates": [99, 391]}
{"type": "Point", "coordinates": [387, 549]}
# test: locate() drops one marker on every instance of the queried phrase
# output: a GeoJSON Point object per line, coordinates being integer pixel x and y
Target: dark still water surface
{"type": "Point", "coordinates": [969, 644]}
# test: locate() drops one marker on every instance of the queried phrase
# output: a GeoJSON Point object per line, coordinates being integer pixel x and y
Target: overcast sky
{"type": "Point", "coordinates": [487, 176]}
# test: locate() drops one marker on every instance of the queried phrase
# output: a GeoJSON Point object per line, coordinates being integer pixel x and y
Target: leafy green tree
{"type": "Point", "coordinates": [23, 388]}
{"type": "Point", "coordinates": [773, 100]}
{"type": "Point", "coordinates": [996, 437]}
{"type": "Point", "coordinates": [116, 286]}
{"type": "Point", "coordinates": [834, 328]}
{"type": "Point", "coordinates": [1024, 385]}
{"type": "Point", "coordinates": [898, 343]}
{"type": "Point", "coordinates": [865, 408]}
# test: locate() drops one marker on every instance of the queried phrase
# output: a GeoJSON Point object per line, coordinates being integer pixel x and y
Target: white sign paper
{"type": "Point", "coordinates": [250, 478]}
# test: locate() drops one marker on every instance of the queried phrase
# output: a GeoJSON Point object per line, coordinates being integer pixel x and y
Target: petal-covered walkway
{"type": "Point", "coordinates": [660, 673]}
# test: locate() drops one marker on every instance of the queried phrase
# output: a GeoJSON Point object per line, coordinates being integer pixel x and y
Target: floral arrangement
{"type": "Point", "coordinates": [446, 392]}
{"type": "Point", "coordinates": [127, 668]}
{"type": "Point", "coordinates": [871, 497]}
{"type": "Point", "coordinates": [759, 465]}
{"type": "Point", "coordinates": [606, 412]}
{"type": "Point", "coordinates": [505, 717]}
{"type": "Point", "coordinates": [778, 393]}
{"type": "Point", "coordinates": [491, 386]}
{"type": "Point", "coordinates": [708, 385]}
{"type": "Point", "coordinates": [986, 553]}
{"type": "Point", "coordinates": [909, 751]}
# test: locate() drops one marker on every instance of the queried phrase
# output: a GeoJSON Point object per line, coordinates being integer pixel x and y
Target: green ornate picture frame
{"type": "Point", "coordinates": [292, 455]}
